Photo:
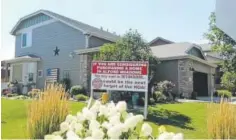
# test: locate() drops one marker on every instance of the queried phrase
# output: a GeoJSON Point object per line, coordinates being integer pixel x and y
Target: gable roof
{"type": "Point", "coordinates": [178, 51]}
{"type": "Point", "coordinates": [159, 38]}
{"type": "Point", "coordinates": [85, 28]}
{"type": "Point", "coordinates": [205, 47]}
{"type": "Point", "coordinates": [173, 50]}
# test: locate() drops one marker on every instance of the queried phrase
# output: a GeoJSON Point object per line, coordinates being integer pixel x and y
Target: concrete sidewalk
{"type": "Point", "coordinates": [206, 99]}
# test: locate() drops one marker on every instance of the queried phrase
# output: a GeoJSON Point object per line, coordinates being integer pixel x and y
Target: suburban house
{"type": "Point", "coordinates": [50, 47]}
{"type": "Point", "coordinates": [185, 65]}
{"type": "Point", "coordinates": [46, 45]}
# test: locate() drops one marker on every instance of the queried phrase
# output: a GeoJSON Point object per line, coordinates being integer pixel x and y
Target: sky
{"type": "Point", "coordinates": [175, 20]}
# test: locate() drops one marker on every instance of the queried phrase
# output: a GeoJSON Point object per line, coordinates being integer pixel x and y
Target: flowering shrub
{"type": "Point", "coordinates": [107, 121]}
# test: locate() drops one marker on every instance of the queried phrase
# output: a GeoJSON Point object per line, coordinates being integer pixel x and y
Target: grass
{"type": "Point", "coordinates": [188, 118]}
{"type": "Point", "coordinates": [14, 117]}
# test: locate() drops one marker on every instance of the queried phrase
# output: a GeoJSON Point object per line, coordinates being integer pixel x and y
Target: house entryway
{"type": "Point", "coordinates": [200, 83]}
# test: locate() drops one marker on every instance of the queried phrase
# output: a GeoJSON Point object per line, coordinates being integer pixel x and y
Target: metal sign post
{"type": "Point", "coordinates": [146, 105]}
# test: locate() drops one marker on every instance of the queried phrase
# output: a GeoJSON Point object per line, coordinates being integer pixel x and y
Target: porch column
{"type": "Point", "coordinates": [211, 78]}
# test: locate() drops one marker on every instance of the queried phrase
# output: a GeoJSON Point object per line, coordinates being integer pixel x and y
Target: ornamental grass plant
{"type": "Point", "coordinates": [221, 120]}
{"type": "Point", "coordinates": [47, 112]}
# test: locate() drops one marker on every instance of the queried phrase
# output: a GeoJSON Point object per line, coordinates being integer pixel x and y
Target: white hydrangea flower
{"type": "Point", "coordinates": [131, 122]}
{"type": "Point", "coordinates": [121, 106]}
{"type": "Point", "coordinates": [94, 125]}
{"type": "Point", "coordinates": [123, 127]}
{"type": "Point", "coordinates": [57, 138]}
{"type": "Point", "coordinates": [89, 138]}
{"type": "Point", "coordinates": [70, 135]}
{"type": "Point", "coordinates": [111, 105]}
{"type": "Point", "coordinates": [139, 118]}
{"type": "Point", "coordinates": [146, 129]}
{"type": "Point", "coordinates": [80, 117]}
{"type": "Point", "coordinates": [129, 115]}
{"type": "Point", "coordinates": [88, 115]}
{"type": "Point", "coordinates": [78, 127]}
{"type": "Point", "coordinates": [49, 137]}
{"type": "Point", "coordinates": [70, 118]}
{"type": "Point", "coordinates": [166, 136]}
{"type": "Point", "coordinates": [103, 110]}
{"type": "Point", "coordinates": [97, 134]}
{"type": "Point", "coordinates": [178, 136]}
{"type": "Point", "coordinates": [114, 119]}
{"type": "Point", "coordinates": [106, 125]}
{"type": "Point", "coordinates": [112, 112]}
{"type": "Point", "coordinates": [64, 126]}
{"type": "Point", "coordinates": [114, 132]}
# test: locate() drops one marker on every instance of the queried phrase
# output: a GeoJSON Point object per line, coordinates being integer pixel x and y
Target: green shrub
{"type": "Point", "coordinates": [151, 101]}
{"type": "Point", "coordinates": [159, 97]}
{"type": "Point", "coordinates": [81, 97]}
{"type": "Point", "coordinates": [194, 95]}
{"type": "Point", "coordinates": [224, 93]}
{"type": "Point", "coordinates": [66, 82]}
{"type": "Point", "coordinates": [78, 89]}
{"type": "Point", "coordinates": [166, 88]}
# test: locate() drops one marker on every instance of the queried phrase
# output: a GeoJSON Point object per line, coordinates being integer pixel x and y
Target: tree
{"type": "Point", "coordinates": [229, 80]}
{"type": "Point", "coordinates": [131, 47]}
{"type": "Point", "coordinates": [226, 47]}
{"type": "Point", "coordinates": [223, 44]}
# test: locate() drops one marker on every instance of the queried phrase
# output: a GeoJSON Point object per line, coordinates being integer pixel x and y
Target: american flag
{"type": "Point", "coordinates": [52, 75]}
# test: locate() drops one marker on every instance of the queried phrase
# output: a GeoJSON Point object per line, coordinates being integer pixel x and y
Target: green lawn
{"type": "Point", "coordinates": [188, 118]}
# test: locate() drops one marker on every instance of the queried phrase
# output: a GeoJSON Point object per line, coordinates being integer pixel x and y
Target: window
{"type": "Point", "coordinates": [40, 73]}
{"type": "Point", "coordinates": [26, 39]}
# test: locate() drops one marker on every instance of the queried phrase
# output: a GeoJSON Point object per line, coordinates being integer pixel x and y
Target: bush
{"type": "Point", "coordinates": [194, 95]}
{"type": "Point", "coordinates": [166, 87]}
{"type": "Point", "coordinates": [108, 123]}
{"type": "Point", "coordinates": [221, 120]}
{"type": "Point", "coordinates": [228, 81]}
{"type": "Point", "coordinates": [81, 97]}
{"type": "Point", "coordinates": [151, 101]}
{"type": "Point", "coordinates": [159, 97]}
{"type": "Point", "coordinates": [66, 82]}
{"type": "Point", "coordinates": [46, 113]}
{"type": "Point", "coordinates": [78, 89]}
{"type": "Point", "coordinates": [224, 93]}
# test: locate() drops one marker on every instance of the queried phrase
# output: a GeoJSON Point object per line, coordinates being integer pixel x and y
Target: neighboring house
{"type": "Point", "coordinates": [214, 58]}
{"type": "Point", "coordinates": [186, 66]}
{"type": "Point", "coordinates": [46, 45]}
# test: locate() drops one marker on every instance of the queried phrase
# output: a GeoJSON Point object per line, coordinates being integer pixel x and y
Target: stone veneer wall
{"type": "Point", "coordinates": [85, 72]}
{"type": "Point", "coordinates": [185, 78]}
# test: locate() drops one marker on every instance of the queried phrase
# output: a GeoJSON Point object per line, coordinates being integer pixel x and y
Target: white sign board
{"type": "Point", "coordinates": [120, 76]}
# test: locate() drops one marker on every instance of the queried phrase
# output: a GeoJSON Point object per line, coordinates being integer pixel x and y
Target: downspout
{"type": "Point", "coordinates": [87, 37]}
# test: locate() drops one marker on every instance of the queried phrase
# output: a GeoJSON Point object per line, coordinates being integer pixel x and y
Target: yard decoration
{"type": "Point", "coordinates": [107, 121]}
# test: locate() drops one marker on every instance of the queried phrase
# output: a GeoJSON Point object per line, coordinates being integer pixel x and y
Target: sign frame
{"type": "Point", "coordinates": [145, 93]}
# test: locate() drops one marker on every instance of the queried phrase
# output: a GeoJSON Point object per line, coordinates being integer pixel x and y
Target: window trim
{"type": "Point", "coordinates": [28, 39]}
{"type": "Point", "coordinates": [41, 74]}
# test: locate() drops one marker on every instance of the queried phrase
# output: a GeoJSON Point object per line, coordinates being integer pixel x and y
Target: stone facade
{"type": "Point", "coordinates": [185, 77]}
{"type": "Point", "coordinates": [85, 73]}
